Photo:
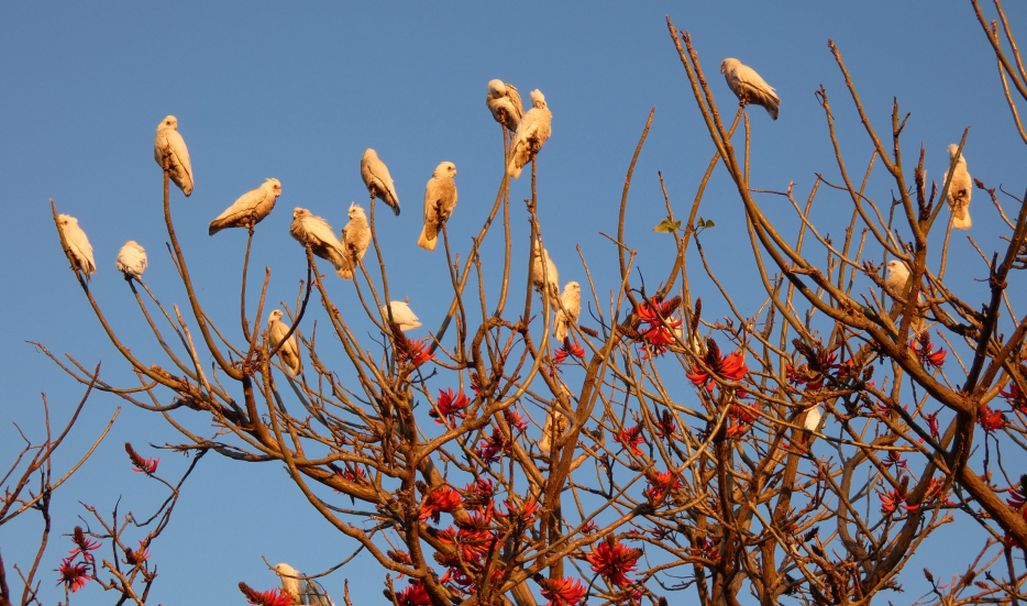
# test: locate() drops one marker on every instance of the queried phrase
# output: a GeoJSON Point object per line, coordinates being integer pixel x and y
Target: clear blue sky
{"type": "Point", "coordinates": [298, 90]}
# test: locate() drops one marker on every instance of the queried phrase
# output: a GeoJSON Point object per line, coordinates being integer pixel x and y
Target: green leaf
{"type": "Point", "coordinates": [705, 223]}
{"type": "Point", "coordinates": [667, 226]}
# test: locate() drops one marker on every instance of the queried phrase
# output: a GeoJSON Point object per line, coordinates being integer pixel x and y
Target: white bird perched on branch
{"type": "Point", "coordinates": [896, 283]}
{"type": "Point", "coordinates": [170, 152]}
{"type": "Point", "coordinates": [378, 179]}
{"type": "Point", "coordinates": [249, 208]}
{"type": "Point", "coordinates": [402, 315]}
{"type": "Point", "coordinates": [532, 133]}
{"type": "Point", "coordinates": [570, 310]}
{"type": "Point", "coordinates": [504, 102]}
{"type": "Point", "coordinates": [749, 87]}
{"type": "Point", "coordinates": [76, 244]}
{"type": "Point", "coordinates": [959, 190]}
{"type": "Point", "coordinates": [439, 201]}
{"type": "Point", "coordinates": [356, 237]}
{"type": "Point", "coordinates": [311, 230]}
{"type": "Point", "coordinates": [289, 351]}
{"type": "Point", "coordinates": [544, 275]}
{"type": "Point", "coordinates": [812, 420]}
{"type": "Point", "coordinates": [301, 589]}
{"type": "Point", "coordinates": [131, 260]}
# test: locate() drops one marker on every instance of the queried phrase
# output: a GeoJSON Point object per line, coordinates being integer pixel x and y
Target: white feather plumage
{"type": "Point", "coordinates": [249, 208]}
{"type": "Point", "coordinates": [169, 150]}
{"type": "Point", "coordinates": [378, 179]}
{"type": "Point", "coordinates": [310, 229]}
{"type": "Point", "coordinates": [440, 197]}
{"type": "Point", "coordinates": [532, 133]}
{"type": "Point", "coordinates": [301, 589]}
{"type": "Point", "coordinates": [749, 86]}
{"type": "Point", "coordinates": [131, 260]}
{"type": "Point", "coordinates": [544, 275]}
{"type": "Point", "coordinates": [960, 190]}
{"type": "Point", "coordinates": [290, 351]}
{"type": "Point", "coordinates": [569, 312]}
{"type": "Point", "coordinates": [504, 102]}
{"type": "Point", "coordinates": [402, 315]}
{"type": "Point", "coordinates": [356, 237]}
{"type": "Point", "coordinates": [74, 240]}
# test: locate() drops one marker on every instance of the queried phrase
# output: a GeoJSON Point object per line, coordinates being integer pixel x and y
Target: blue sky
{"type": "Point", "coordinates": [298, 90]}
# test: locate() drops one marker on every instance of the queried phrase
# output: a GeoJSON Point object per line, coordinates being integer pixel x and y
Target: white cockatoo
{"type": "Point", "coordinates": [356, 237]}
{"type": "Point", "coordinates": [439, 202]}
{"type": "Point", "coordinates": [402, 315]}
{"type": "Point", "coordinates": [301, 589]}
{"type": "Point", "coordinates": [378, 179]}
{"type": "Point", "coordinates": [74, 240]}
{"type": "Point", "coordinates": [170, 152]}
{"type": "Point", "coordinates": [504, 102]}
{"type": "Point", "coordinates": [556, 425]}
{"type": "Point", "coordinates": [570, 310]}
{"type": "Point", "coordinates": [290, 351]}
{"type": "Point", "coordinates": [544, 275]}
{"type": "Point", "coordinates": [813, 417]}
{"type": "Point", "coordinates": [532, 133]}
{"type": "Point", "coordinates": [131, 260]}
{"type": "Point", "coordinates": [748, 86]}
{"type": "Point", "coordinates": [959, 190]}
{"type": "Point", "coordinates": [249, 208]}
{"type": "Point", "coordinates": [310, 229]}
{"type": "Point", "coordinates": [896, 279]}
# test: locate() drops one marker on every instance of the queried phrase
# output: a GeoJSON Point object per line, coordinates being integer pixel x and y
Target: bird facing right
{"type": "Point", "coordinates": [289, 351]}
{"type": "Point", "coordinates": [74, 240]}
{"type": "Point", "coordinates": [959, 190]}
{"type": "Point", "coordinates": [249, 208]}
{"type": "Point", "coordinates": [569, 312]}
{"type": "Point", "coordinates": [356, 237]}
{"type": "Point", "coordinates": [544, 275]}
{"type": "Point", "coordinates": [170, 152]}
{"type": "Point", "coordinates": [749, 86]}
{"type": "Point", "coordinates": [439, 201]}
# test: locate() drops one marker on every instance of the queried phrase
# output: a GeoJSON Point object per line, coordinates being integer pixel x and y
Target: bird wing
{"type": "Point", "coordinates": [377, 175]}
{"type": "Point", "coordinates": [242, 205]}
{"type": "Point", "coordinates": [315, 595]}
{"type": "Point", "coordinates": [179, 151]}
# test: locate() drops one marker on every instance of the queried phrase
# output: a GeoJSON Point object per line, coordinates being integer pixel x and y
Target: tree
{"type": "Point", "coordinates": [653, 451]}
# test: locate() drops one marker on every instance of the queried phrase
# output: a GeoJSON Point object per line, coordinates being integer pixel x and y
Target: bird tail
{"type": "Point", "coordinates": [214, 228]}
{"type": "Point", "coordinates": [345, 271]}
{"type": "Point", "coordinates": [393, 203]}
{"type": "Point", "coordinates": [560, 330]}
{"type": "Point", "coordinates": [517, 160]}
{"type": "Point", "coordinates": [961, 218]}
{"type": "Point", "coordinates": [425, 242]}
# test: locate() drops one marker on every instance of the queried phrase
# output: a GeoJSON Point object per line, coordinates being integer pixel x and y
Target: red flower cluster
{"type": "Point", "coordinates": [704, 547]}
{"type": "Point", "coordinates": [657, 327]}
{"type": "Point", "coordinates": [562, 592]}
{"type": "Point", "coordinates": [560, 354]}
{"type": "Point", "coordinates": [74, 574]}
{"type": "Point", "coordinates": [924, 349]}
{"type": "Point", "coordinates": [138, 556]}
{"type": "Point", "coordinates": [414, 353]}
{"type": "Point", "coordinates": [478, 494]}
{"type": "Point", "coordinates": [991, 420]}
{"type": "Point", "coordinates": [147, 466]}
{"type": "Point", "coordinates": [613, 560]}
{"type": "Point", "coordinates": [414, 595]}
{"type": "Point", "coordinates": [1014, 396]}
{"type": "Point", "coordinates": [515, 420]}
{"type": "Point", "coordinates": [812, 376]}
{"type": "Point", "coordinates": [449, 407]}
{"type": "Point", "coordinates": [630, 438]}
{"type": "Point", "coordinates": [439, 500]}
{"type": "Point", "coordinates": [730, 368]}
{"type": "Point", "coordinates": [273, 597]}
{"type": "Point", "coordinates": [490, 448]}
{"type": "Point", "coordinates": [660, 486]}
{"type": "Point", "coordinates": [469, 545]}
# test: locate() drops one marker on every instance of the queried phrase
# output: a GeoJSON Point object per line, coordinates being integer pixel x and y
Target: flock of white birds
{"type": "Point", "coordinates": [530, 131]}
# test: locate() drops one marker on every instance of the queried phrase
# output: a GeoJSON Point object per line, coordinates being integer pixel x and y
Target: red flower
{"type": "Point", "coordinates": [147, 466]}
{"type": "Point", "coordinates": [82, 544]}
{"type": "Point", "coordinates": [932, 423]}
{"type": "Point", "coordinates": [890, 500]}
{"type": "Point", "coordinates": [991, 420]}
{"type": "Point", "coordinates": [449, 406]}
{"type": "Point", "coordinates": [562, 592]}
{"type": "Point", "coordinates": [272, 597]}
{"type": "Point", "coordinates": [490, 448]}
{"type": "Point", "coordinates": [138, 556]}
{"type": "Point", "coordinates": [515, 420]}
{"type": "Point", "coordinates": [703, 547]}
{"type": "Point", "coordinates": [439, 500]}
{"type": "Point", "coordinates": [630, 438]}
{"type": "Point", "coordinates": [661, 485]}
{"type": "Point", "coordinates": [478, 494]}
{"type": "Point", "coordinates": [414, 595]}
{"type": "Point", "coordinates": [614, 561]}
{"type": "Point", "coordinates": [730, 367]}
{"type": "Point", "coordinates": [414, 352]}
{"type": "Point", "coordinates": [657, 329]}
{"type": "Point", "coordinates": [1016, 398]}
{"type": "Point", "coordinates": [73, 576]}
{"type": "Point", "coordinates": [667, 426]}
{"type": "Point", "coordinates": [921, 346]}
